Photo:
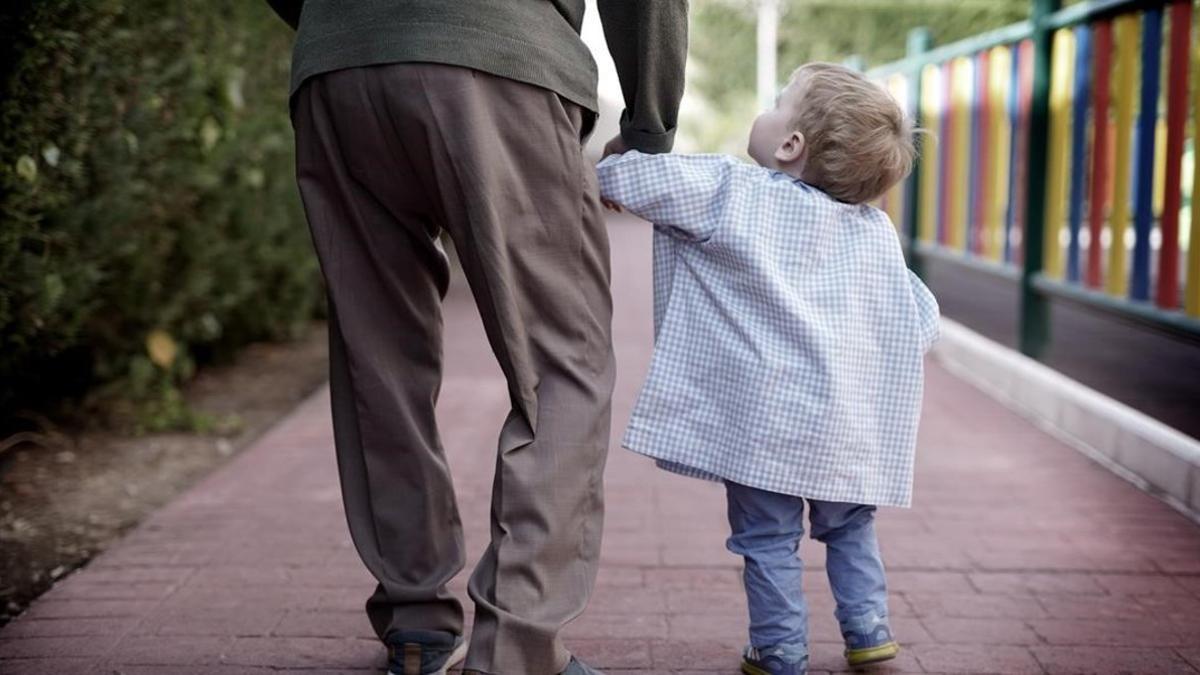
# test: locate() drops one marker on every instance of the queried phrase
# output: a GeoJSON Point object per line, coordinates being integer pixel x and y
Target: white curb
{"type": "Point", "coordinates": [1138, 448]}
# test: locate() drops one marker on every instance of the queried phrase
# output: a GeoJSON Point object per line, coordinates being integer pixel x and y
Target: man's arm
{"type": "Point", "coordinates": [648, 43]}
{"type": "Point", "coordinates": [288, 10]}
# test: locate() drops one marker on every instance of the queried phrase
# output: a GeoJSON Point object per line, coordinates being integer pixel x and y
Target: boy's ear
{"type": "Point", "coordinates": [792, 149]}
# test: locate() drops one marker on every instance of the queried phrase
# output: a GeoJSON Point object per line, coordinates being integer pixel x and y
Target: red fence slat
{"type": "Point", "coordinates": [1101, 71]}
{"type": "Point", "coordinates": [1167, 295]}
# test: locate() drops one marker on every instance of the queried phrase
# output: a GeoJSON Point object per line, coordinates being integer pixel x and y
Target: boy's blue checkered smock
{"type": "Point", "coordinates": [789, 333]}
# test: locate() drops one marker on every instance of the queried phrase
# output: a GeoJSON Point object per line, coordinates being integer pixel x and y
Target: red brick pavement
{"type": "Point", "coordinates": [1020, 555]}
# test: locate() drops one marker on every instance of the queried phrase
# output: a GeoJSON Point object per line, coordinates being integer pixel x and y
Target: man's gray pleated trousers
{"type": "Point", "coordinates": [387, 158]}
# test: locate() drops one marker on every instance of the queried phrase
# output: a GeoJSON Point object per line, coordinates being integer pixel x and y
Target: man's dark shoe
{"type": "Point", "coordinates": [577, 667]}
{"type": "Point", "coordinates": [423, 652]}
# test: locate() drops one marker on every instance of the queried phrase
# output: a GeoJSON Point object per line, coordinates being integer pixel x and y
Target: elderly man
{"type": "Point", "coordinates": [414, 117]}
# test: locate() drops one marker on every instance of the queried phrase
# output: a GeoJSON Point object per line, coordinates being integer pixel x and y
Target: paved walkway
{"type": "Point", "coordinates": [1020, 555]}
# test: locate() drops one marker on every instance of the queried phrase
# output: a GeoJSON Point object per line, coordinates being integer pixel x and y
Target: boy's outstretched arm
{"type": "Point", "coordinates": [686, 193]}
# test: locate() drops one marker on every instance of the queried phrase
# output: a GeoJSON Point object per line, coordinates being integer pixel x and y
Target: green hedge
{"type": "Point", "coordinates": [148, 213]}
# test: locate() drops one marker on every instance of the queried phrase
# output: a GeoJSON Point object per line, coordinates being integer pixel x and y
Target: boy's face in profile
{"type": "Point", "coordinates": [774, 144]}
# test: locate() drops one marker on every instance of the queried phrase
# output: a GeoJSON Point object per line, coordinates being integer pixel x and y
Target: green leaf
{"type": "Point", "coordinates": [210, 133]}
{"type": "Point", "coordinates": [53, 290]}
{"type": "Point", "coordinates": [27, 168]}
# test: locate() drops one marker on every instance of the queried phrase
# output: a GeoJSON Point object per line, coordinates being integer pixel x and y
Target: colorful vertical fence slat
{"type": "Point", "coordinates": [931, 114]}
{"type": "Point", "coordinates": [1167, 295]}
{"type": "Point", "coordinates": [1126, 28]}
{"type": "Point", "coordinates": [998, 140]}
{"type": "Point", "coordinates": [962, 89]}
{"type": "Point", "coordinates": [946, 153]}
{"type": "Point", "coordinates": [1023, 101]}
{"type": "Point", "coordinates": [1147, 127]}
{"type": "Point", "coordinates": [980, 158]}
{"type": "Point", "coordinates": [1099, 199]}
{"type": "Point", "coordinates": [1121, 218]}
{"type": "Point", "coordinates": [1191, 301]}
{"type": "Point", "coordinates": [1058, 143]}
{"type": "Point", "coordinates": [1078, 165]}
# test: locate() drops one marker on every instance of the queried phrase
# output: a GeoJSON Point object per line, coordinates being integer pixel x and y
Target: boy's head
{"type": "Point", "coordinates": [837, 131]}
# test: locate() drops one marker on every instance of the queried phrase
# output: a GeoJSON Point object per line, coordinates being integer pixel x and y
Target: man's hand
{"type": "Point", "coordinates": [616, 146]}
{"type": "Point", "coordinates": [611, 205]}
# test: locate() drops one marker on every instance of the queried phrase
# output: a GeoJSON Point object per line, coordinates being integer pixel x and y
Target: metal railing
{"type": "Point", "coordinates": [1057, 159]}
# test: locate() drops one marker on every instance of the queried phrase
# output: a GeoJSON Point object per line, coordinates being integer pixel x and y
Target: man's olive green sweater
{"type": "Point", "coordinates": [534, 41]}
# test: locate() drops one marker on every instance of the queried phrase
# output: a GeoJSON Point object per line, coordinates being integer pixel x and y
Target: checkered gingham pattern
{"type": "Point", "coordinates": [789, 334]}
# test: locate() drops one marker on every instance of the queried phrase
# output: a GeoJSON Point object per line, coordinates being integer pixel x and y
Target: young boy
{"type": "Point", "coordinates": [789, 338]}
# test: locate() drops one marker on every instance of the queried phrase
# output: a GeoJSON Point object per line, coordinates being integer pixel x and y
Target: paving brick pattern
{"type": "Point", "coordinates": [1020, 555]}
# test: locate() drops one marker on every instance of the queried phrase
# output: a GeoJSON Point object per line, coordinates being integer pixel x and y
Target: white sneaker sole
{"type": "Point", "coordinates": [456, 657]}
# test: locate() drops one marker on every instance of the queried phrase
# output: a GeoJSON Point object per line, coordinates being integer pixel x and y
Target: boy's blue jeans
{"type": "Point", "coordinates": [767, 528]}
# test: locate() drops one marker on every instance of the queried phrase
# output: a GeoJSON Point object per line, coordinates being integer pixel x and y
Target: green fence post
{"type": "Point", "coordinates": [920, 40]}
{"type": "Point", "coordinates": [1034, 327]}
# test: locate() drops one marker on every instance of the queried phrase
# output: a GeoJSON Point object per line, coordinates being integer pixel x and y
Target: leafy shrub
{"type": "Point", "coordinates": [148, 213]}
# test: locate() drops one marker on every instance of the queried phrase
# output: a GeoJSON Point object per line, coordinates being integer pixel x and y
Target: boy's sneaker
{"type": "Point", "coordinates": [777, 660]}
{"type": "Point", "coordinates": [423, 652]}
{"type": "Point", "coordinates": [872, 646]}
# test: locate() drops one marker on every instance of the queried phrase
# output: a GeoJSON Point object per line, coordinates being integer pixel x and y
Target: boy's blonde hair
{"type": "Point", "coordinates": [859, 142]}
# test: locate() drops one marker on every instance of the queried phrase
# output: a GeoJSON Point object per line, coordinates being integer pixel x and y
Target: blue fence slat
{"type": "Point", "coordinates": [1014, 117]}
{"type": "Point", "coordinates": [945, 149]}
{"type": "Point", "coordinates": [1082, 94]}
{"type": "Point", "coordinates": [1143, 168]}
{"type": "Point", "coordinates": [974, 225]}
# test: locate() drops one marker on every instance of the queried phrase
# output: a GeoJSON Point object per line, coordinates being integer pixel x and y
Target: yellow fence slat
{"type": "Point", "coordinates": [999, 136]}
{"type": "Point", "coordinates": [1057, 169]}
{"type": "Point", "coordinates": [1124, 96]}
{"type": "Point", "coordinates": [958, 175]}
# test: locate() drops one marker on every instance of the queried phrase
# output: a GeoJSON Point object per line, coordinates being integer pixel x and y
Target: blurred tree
{"type": "Point", "coordinates": [723, 46]}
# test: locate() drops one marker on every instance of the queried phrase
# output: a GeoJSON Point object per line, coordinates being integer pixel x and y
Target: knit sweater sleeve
{"type": "Point", "coordinates": [648, 43]}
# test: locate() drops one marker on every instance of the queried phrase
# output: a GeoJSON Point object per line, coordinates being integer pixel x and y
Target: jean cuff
{"type": "Point", "coordinates": [863, 623]}
{"type": "Point", "coordinates": [788, 652]}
